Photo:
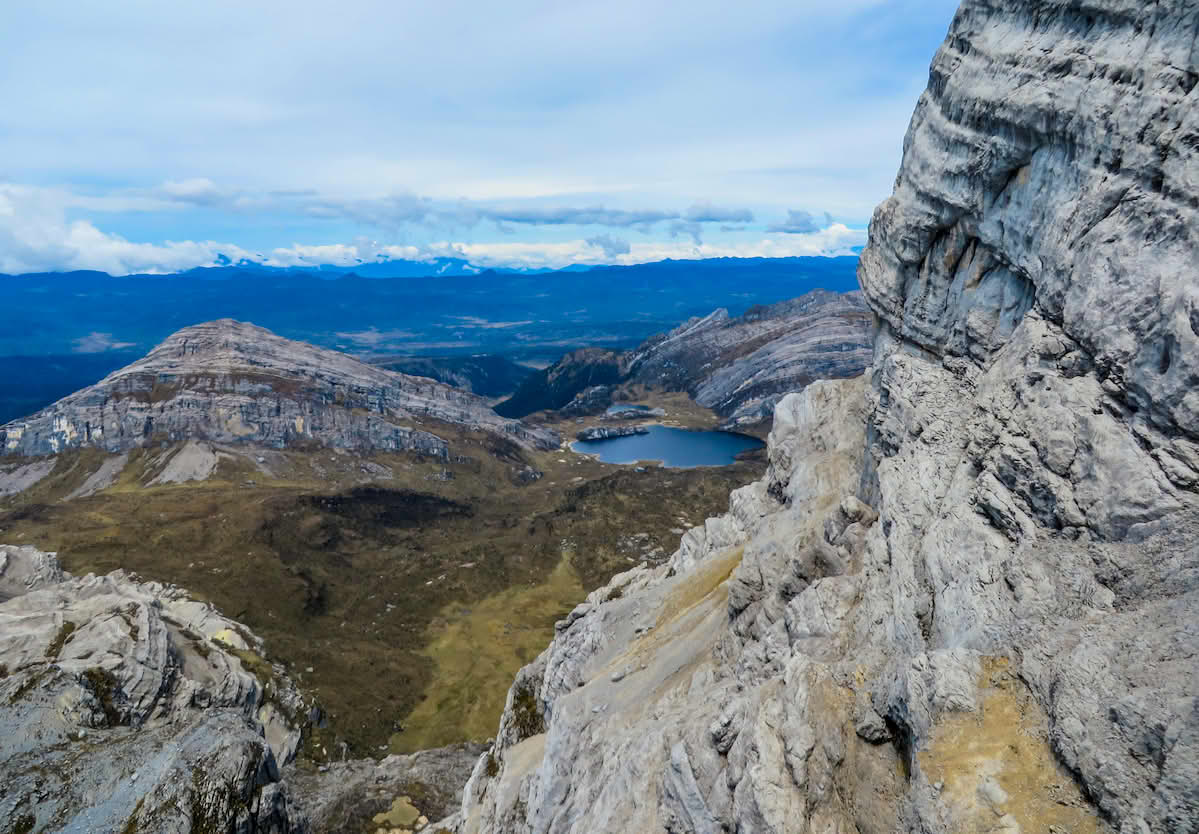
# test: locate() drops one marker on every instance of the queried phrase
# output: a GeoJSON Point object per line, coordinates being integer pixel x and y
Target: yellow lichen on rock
{"type": "Point", "coordinates": [995, 768]}
{"type": "Point", "coordinates": [401, 815]}
{"type": "Point", "coordinates": [711, 575]}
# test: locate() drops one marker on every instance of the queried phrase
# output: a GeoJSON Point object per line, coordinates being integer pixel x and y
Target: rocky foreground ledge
{"type": "Point", "coordinates": [127, 706]}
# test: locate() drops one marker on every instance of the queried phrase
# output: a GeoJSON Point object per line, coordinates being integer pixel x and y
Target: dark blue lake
{"type": "Point", "coordinates": [677, 448]}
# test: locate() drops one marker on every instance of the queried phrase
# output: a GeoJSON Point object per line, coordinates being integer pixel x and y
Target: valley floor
{"type": "Point", "coordinates": [404, 593]}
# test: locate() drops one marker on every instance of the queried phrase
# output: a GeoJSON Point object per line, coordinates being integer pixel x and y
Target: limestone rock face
{"type": "Point", "coordinates": [607, 432]}
{"type": "Point", "coordinates": [737, 366]}
{"type": "Point", "coordinates": [740, 367]}
{"type": "Point", "coordinates": [965, 596]}
{"type": "Point", "coordinates": [128, 706]}
{"type": "Point", "coordinates": [348, 796]}
{"type": "Point", "coordinates": [232, 382]}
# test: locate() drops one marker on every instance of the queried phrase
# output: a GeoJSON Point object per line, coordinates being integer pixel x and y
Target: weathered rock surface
{"type": "Point", "coordinates": [347, 796]}
{"type": "Point", "coordinates": [740, 367]}
{"type": "Point", "coordinates": [965, 597]}
{"type": "Point", "coordinates": [127, 706]}
{"type": "Point", "coordinates": [231, 382]}
{"type": "Point", "coordinates": [606, 432]}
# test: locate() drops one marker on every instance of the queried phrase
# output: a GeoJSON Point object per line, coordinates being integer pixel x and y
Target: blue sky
{"type": "Point", "coordinates": [150, 136]}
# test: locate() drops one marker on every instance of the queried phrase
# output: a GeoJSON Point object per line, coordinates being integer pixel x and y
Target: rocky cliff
{"type": "Point", "coordinates": [740, 367]}
{"type": "Point", "coordinates": [737, 366]}
{"type": "Point", "coordinates": [128, 706]}
{"type": "Point", "coordinates": [231, 382]}
{"type": "Point", "coordinates": [965, 596]}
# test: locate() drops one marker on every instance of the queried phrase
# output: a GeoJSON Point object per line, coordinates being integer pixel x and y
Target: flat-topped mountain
{"type": "Point", "coordinates": [232, 382]}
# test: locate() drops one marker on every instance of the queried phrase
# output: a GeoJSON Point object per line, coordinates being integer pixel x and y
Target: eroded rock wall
{"type": "Point", "coordinates": [965, 597]}
{"type": "Point", "coordinates": [127, 706]}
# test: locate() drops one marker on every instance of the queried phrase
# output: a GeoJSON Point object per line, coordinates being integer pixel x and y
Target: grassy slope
{"type": "Point", "coordinates": [366, 586]}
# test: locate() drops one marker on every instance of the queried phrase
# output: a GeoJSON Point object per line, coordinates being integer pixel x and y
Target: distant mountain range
{"type": "Point", "coordinates": [439, 308]}
{"type": "Point", "coordinates": [60, 332]}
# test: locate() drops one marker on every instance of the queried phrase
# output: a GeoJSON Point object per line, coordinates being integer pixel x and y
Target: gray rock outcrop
{"type": "Point", "coordinates": [740, 367]}
{"type": "Point", "coordinates": [607, 432]}
{"type": "Point", "coordinates": [127, 706]}
{"type": "Point", "coordinates": [348, 796]}
{"type": "Point", "coordinates": [965, 596]}
{"type": "Point", "coordinates": [232, 382]}
{"type": "Point", "coordinates": [737, 366]}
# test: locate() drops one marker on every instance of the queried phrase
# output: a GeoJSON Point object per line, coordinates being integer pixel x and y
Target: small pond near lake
{"type": "Point", "coordinates": [678, 448]}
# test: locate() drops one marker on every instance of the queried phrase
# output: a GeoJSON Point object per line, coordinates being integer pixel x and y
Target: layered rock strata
{"type": "Point", "coordinates": [737, 366]}
{"type": "Point", "coordinates": [740, 367]}
{"type": "Point", "coordinates": [127, 706]}
{"type": "Point", "coordinates": [964, 597]}
{"type": "Point", "coordinates": [232, 382]}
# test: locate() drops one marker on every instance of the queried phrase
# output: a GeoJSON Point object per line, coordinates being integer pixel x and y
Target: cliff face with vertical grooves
{"type": "Point", "coordinates": [965, 596]}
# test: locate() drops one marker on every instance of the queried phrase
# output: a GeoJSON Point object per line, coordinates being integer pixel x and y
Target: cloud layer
{"type": "Point", "coordinates": [148, 136]}
{"type": "Point", "coordinates": [37, 234]}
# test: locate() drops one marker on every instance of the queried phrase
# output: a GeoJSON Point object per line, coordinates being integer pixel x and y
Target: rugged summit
{"type": "Point", "coordinates": [737, 366]}
{"type": "Point", "coordinates": [965, 596]}
{"type": "Point", "coordinates": [554, 387]}
{"type": "Point", "coordinates": [740, 367]}
{"type": "Point", "coordinates": [231, 382]}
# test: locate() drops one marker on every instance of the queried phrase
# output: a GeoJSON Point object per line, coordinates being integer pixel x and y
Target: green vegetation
{"type": "Point", "coordinates": [64, 633]}
{"type": "Point", "coordinates": [24, 824]}
{"type": "Point", "coordinates": [107, 689]}
{"type": "Point", "coordinates": [525, 713]}
{"type": "Point", "coordinates": [413, 601]}
{"type": "Point", "coordinates": [476, 652]}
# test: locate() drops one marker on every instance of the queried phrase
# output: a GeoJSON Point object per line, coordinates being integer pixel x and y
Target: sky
{"type": "Point", "coordinates": [153, 137]}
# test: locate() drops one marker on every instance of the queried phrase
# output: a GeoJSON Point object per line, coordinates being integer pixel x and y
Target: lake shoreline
{"type": "Point", "coordinates": [699, 458]}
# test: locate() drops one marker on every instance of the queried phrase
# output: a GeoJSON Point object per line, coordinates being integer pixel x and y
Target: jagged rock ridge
{"type": "Point", "coordinates": [232, 382]}
{"type": "Point", "coordinates": [128, 706]}
{"type": "Point", "coordinates": [737, 366]}
{"type": "Point", "coordinates": [964, 598]}
{"type": "Point", "coordinates": [741, 367]}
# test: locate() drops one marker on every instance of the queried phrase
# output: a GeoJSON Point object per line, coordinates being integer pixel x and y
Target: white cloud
{"type": "Point", "coordinates": [661, 97]}
{"type": "Point", "coordinates": [36, 235]}
{"type": "Point", "coordinates": [837, 239]}
{"type": "Point", "coordinates": [99, 343]}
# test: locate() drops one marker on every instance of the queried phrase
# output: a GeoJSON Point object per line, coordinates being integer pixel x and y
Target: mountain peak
{"type": "Point", "coordinates": [235, 382]}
